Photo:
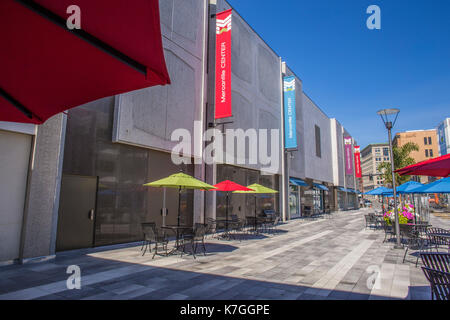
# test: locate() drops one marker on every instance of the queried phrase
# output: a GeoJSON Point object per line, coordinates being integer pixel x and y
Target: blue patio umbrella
{"type": "Point", "coordinates": [378, 191]}
{"type": "Point", "coordinates": [439, 186]}
{"type": "Point", "coordinates": [409, 187]}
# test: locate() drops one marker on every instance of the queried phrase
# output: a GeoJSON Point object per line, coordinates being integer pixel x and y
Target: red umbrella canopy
{"type": "Point", "coordinates": [47, 68]}
{"type": "Point", "coordinates": [437, 167]}
{"type": "Point", "coordinates": [228, 185]}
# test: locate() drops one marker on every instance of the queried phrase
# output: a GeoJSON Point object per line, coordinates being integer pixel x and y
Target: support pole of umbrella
{"type": "Point", "coordinates": [256, 228]}
{"type": "Point", "coordinates": [179, 206]}
{"type": "Point", "coordinates": [164, 209]}
{"type": "Point", "coordinates": [226, 212]}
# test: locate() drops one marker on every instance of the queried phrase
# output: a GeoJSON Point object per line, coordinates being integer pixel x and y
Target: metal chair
{"type": "Point", "coordinates": [370, 221]}
{"type": "Point", "coordinates": [439, 283]}
{"type": "Point", "coordinates": [436, 260]}
{"type": "Point", "coordinates": [237, 225]}
{"type": "Point", "coordinates": [155, 235]}
{"type": "Point", "coordinates": [271, 225]}
{"type": "Point", "coordinates": [388, 230]}
{"type": "Point", "coordinates": [410, 234]}
{"type": "Point", "coordinates": [195, 237]}
{"type": "Point", "coordinates": [211, 226]}
{"type": "Point", "coordinates": [147, 241]}
{"type": "Point", "coordinates": [252, 224]}
{"type": "Point", "coordinates": [436, 240]}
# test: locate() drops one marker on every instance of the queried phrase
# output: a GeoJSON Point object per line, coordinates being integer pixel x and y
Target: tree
{"type": "Point", "coordinates": [401, 159]}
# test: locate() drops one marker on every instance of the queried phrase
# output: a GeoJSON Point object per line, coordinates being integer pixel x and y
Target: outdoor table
{"type": "Point", "coordinates": [255, 221]}
{"type": "Point", "coordinates": [176, 230]}
{"type": "Point", "coordinates": [227, 222]}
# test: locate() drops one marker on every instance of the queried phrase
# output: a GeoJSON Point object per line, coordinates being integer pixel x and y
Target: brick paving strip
{"type": "Point", "coordinates": [321, 259]}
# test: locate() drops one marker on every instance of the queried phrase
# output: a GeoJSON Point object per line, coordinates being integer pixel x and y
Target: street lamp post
{"type": "Point", "coordinates": [387, 115]}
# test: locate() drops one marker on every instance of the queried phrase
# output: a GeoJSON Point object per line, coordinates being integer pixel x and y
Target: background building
{"type": "Point", "coordinates": [443, 131]}
{"type": "Point", "coordinates": [371, 157]}
{"type": "Point", "coordinates": [428, 146]}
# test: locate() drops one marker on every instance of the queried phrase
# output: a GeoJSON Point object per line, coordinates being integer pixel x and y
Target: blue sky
{"type": "Point", "coordinates": [350, 71]}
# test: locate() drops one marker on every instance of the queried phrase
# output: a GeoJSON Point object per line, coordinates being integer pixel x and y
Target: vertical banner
{"type": "Point", "coordinates": [358, 172]}
{"type": "Point", "coordinates": [290, 131]}
{"type": "Point", "coordinates": [348, 155]}
{"type": "Point", "coordinates": [223, 65]}
{"type": "Point", "coordinates": [442, 141]}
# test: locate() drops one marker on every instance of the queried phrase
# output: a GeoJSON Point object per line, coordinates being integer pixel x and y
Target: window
{"type": "Point", "coordinates": [386, 152]}
{"type": "Point", "coordinates": [429, 141]}
{"type": "Point", "coordinates": [426, 152]}
{"type": "Point", "coordinates": [318, 147]}
{"type": "Point", "coordinates": [425, 140]}
{"type": "Point", "coordinates": [431, 152]}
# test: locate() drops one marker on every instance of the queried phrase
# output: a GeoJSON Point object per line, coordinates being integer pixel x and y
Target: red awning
{"type": "Point", "coordinates": [437, 167]}
{"type": "Point", "coordinates": [47, 68]}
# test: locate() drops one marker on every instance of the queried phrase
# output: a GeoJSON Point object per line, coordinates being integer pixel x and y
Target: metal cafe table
{"type": "Point", "coordinates": [227, 222]}
{"type": "Point", "coordinates": [178, 231]}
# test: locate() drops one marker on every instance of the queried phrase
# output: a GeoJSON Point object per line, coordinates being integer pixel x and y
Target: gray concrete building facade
{"type": "Point", "coordinates": [80, 176]}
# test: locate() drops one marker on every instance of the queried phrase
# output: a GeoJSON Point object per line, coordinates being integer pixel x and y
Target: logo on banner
{"type": "Point", "coordinates": [223, 25]}
{"type": "Point", "coordinates": [290, 132]}
{"type": "Point", "coordinates": [223, 65]}
{"type": "Point", "coordinates": [289, 85]}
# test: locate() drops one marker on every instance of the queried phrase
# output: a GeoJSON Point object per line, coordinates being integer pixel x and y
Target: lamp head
{"type": "Point", "coordinates": [389, 116]}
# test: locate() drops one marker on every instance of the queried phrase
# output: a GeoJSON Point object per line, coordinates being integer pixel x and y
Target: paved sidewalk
{"type": "Point", "coordinates": [333, 258]}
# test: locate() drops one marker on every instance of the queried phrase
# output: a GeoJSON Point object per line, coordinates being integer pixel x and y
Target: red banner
{"type": "Point", "coordinates": [358, 162]}
{"type": "Point", "coordinates": [223, 65]}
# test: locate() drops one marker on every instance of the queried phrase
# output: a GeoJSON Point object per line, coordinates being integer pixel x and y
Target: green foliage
{"type": "Point", "coordinates": [401, 159]}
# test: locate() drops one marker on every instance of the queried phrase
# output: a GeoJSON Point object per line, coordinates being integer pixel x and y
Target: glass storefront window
{"type": "Point", "coordinates": [243, 205]}
{"type": "Point", "coordinates": [123, 203]}
{"type": "Point", "coordinates": [294, 208]}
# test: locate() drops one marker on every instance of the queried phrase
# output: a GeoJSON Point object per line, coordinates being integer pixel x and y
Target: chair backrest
{"type": "Point", "coordinates": [436, 239]}
{"type": "Point", "coordinates": [438, 230]}
{"type": "Point", "coordinates": [407, 230]}
{"type": "Point", "coordinates": [199, 230]}
{"type": "Point", "coordinates": [211, 225]}
{"type": "Point", "coordinates": [277, 219]}
{"type": "Point", "coordinates": [436, 260]}
{"type": "Point", "coordinates": [439, 282]}
{"type": "Point", "coordinates": [149, 230]}
{"type": "Point", "coordinates": [386, 226]}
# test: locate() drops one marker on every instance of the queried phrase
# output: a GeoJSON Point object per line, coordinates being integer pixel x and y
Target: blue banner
{"type": "Point", "coordinates": [290, 131]}
{"type": "Point", "coordinates": [441, 137]}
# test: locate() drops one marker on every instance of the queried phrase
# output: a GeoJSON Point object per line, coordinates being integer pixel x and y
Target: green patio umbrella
{"type": "Point", "coordinates": [181, 181]}
{"type": "Point", "coordinates": [257, 189]}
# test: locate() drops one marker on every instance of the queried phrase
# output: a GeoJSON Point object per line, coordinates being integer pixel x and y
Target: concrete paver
{"type": "Point", "coordinates": [335, 258]}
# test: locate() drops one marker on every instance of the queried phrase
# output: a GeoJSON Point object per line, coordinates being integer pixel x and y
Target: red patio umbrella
{"type": "Point", "coordinates": [437, 167]}
{"type": "Point", "coordinates": [47, 68]}
{"type": "Point", "coordinates": [228, 186]}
